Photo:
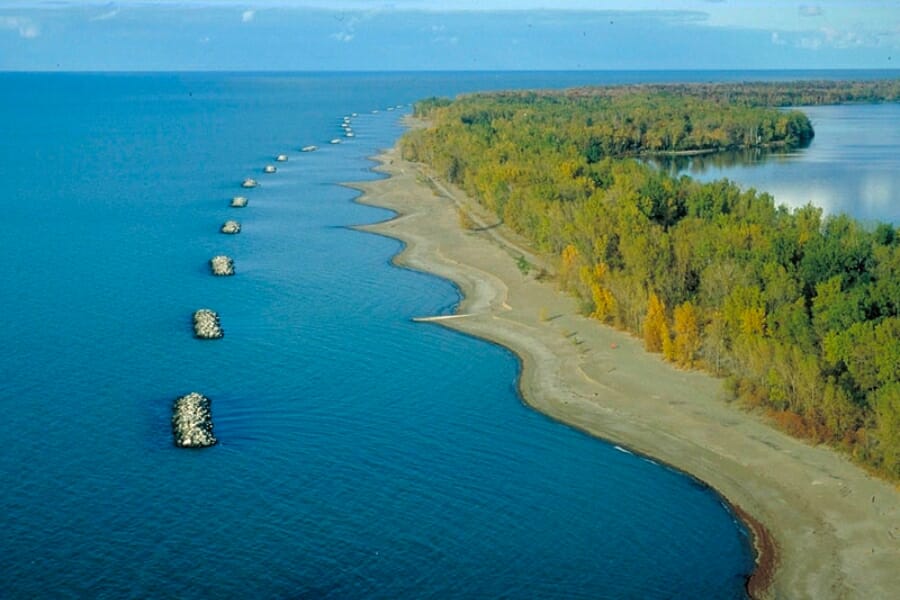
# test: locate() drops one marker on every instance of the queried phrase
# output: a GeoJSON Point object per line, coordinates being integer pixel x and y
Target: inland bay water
{"type": "Point", "coordinates": [361, 455]}
{"type": "Point", "coordinates": [851, 166]}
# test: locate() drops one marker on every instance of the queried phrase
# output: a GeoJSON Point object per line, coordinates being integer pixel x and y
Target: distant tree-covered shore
{"type": "Point", "coordinates": [800, 312]}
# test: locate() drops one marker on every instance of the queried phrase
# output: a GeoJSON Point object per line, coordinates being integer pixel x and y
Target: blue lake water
{"type": "Point", "coordinates": [852, 165]}
{"type": "Point", "coordinates": [362, 455]}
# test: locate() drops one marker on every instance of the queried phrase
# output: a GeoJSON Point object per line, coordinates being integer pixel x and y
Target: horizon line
{"type": "Point", "coordinates": [352, 71]}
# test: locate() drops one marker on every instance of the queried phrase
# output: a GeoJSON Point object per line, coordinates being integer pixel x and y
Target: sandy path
{"type": "Point", "coordinates": [836, 529]}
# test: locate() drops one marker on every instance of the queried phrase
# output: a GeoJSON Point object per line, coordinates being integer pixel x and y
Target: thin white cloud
{"type": "Point", "coordinates": [350, 23]}
{"type": "Point", "coordinates": [809, 43]}
{"type": "Point", "coordinates": [847, 39]}
{"type": "Point", "coordinates": [247, 16]}
{"type": "Point", "coordinates": [448, 40]}
{"type": "Point", "coordinates": [811, 10]}
{"type": "Point", "coordinates": [26, 28]}
{"type": "Point", "coordinates": [342, 36]}
{"type": "Point", "coordinates": [831, 37]}
{"type": "Point", "coordinates": [348, 29]}
{"type": "Point", "coordinates": [111, 14]}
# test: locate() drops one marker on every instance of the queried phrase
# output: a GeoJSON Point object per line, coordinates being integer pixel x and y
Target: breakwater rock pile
{"type": "Point", "coordinates": [192, 422]}
{"type": "Point", "coordinates": [231, 227]}
{"type": "Point", "coordinates": [239, 202]}
{"type": "Point", "coordinates": [206, 325]}
{"type": "Point", "coordinates": [222, 266]}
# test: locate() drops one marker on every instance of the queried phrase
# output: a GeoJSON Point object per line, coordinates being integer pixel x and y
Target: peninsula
{"type": "Point", "coordinates": [822, 527]}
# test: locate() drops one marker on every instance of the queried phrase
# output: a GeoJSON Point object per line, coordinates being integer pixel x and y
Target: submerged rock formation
{"type": "Point", "coordinates": [250, 183]}
{"type": "Point", "coordinates": [192, 422]}
{"type": "Point", "coordinates": [222, 265]}
{"type": "Point", "coordinates": [239, 202]}
{"type": "Point", "coordinates": [231, 227]}
{"type": "Point", "coordinates": [206, 325]}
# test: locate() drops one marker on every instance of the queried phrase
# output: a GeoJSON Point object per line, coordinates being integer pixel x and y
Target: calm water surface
{"type": "Point", "coordinates": [361, 455]}
{"type": "Point", "coordinates": [852, 165]}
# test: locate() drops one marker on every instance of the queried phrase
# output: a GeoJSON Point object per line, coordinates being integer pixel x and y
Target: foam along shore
{"type": "Point", "coordinates": [822, 527]}
{"type": "Point", "coordinates": [230, 227]}
{"type": "Point", "coordinates": [206, 325]}
{"type": "Point", "coordinates": [221, 266]}
{"type": "Point", "coordinates": [239, 202]}
{"type": "Point", "coordinates": [192, 424]}
{"type": "Point", "coordinates": [249, 183]}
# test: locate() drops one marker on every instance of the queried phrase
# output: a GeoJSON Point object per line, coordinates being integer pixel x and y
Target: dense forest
{"type": "Point", "coordinates": [800, 312]}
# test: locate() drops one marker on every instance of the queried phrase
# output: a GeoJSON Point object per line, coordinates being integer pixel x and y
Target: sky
{"type": "Point", "coordinates": [360, 35]}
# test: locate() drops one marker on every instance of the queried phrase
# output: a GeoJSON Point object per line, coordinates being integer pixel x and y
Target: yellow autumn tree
{"type": "Point", "coordinates": [656, 330]}
{"type": "Point", "coordinates": [604, 302]}
{"type": "Point", "coordinates": [753, 320]}
{"type": "Point", "coordinates": [668, 348]}
{"type": "Point", "coordinates": [568, 266]}
{"type": "Point", "coordinates": [686, 345]}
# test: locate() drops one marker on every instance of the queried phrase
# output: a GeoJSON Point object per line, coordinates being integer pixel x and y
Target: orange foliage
{"type": "Point", "coordinates": [790, 422]}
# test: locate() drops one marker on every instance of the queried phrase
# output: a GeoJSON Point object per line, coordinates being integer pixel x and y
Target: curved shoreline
{"type": "Point", "coordinates": [835, 529]}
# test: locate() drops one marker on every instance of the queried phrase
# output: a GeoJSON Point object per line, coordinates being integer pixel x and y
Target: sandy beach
{"type": "Point", "coordinates": [823, 527]}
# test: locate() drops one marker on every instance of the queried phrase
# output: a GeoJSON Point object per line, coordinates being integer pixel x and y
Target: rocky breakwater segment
{"type": "Point", "coordinates": [231, 227]}
{"type": "Point", "coordinates": [239, 202]}
{"type": "Point", "coordinates": [192, 422]}
{"type": "Point", "coordinates": [221, 265]}
{"type": "Point", "coordinates": [206, 325]}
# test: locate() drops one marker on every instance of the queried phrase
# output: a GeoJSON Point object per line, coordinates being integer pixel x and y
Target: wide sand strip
{"type": "Point", "coordinates": [836, 529]}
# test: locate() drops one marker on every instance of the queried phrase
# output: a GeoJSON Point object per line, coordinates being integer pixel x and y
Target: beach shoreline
{"type": "Point", "coordinates": [816, 532]}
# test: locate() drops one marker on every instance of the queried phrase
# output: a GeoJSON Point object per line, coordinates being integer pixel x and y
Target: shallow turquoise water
{"type": "Point", "coordinates": [362, 455]}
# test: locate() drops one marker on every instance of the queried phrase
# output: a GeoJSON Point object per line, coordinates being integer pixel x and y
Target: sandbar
{"type": "Point", "coordinates": [822, 526]}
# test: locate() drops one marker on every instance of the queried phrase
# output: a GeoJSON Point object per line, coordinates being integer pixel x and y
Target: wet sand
{"type": "Point", "coordinates": [823, 528]}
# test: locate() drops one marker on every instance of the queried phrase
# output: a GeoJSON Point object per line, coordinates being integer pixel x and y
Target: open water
{"type": "Point", "coordinates": [362, 455]}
